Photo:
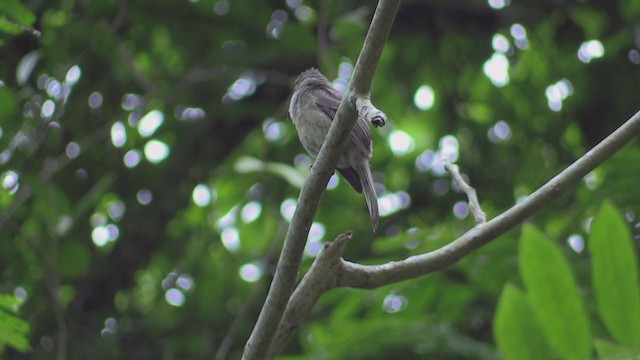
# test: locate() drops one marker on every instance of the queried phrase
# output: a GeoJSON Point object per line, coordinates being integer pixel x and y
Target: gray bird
{"type": "Point", "coordinates": [312, 108]}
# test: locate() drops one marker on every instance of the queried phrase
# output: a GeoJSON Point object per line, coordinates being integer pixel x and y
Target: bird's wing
{"type": "Point", "coordinates": [328, 101]}
{"type": "Point", "coordinates": [352, 178]}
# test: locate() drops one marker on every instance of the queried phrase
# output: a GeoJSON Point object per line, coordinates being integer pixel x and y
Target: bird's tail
{"type": "Point", "coordinates": [369, 193]}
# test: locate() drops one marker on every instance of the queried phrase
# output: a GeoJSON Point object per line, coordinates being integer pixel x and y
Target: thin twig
{"type": "Point", "coordinates": [474, 205]}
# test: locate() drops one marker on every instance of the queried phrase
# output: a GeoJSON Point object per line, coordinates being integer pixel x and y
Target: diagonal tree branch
{"type": "Point", "coordinates": [365, 276]}
{"type": "Point", "coordinates": [330, 271]}
{"type": "Point", "coordinates": [313, 285]}
{"type": "Point", "coordinates": [289, 263]}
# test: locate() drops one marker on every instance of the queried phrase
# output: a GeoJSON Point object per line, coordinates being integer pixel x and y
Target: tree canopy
{"type": "Point", "coordinates": [149, 172]}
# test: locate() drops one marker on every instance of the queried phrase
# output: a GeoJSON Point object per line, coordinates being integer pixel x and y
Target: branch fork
{"type": "Point", "coordinates": [330, 271]}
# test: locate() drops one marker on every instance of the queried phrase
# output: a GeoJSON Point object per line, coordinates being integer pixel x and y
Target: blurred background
{"type": "Point", "coordinates": [149, 170]}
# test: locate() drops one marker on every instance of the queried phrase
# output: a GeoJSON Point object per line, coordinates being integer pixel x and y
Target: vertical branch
{"type": "Point", "coordinates": [289, 263]}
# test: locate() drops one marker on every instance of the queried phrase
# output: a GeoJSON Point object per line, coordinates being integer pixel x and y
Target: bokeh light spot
{"type": "Point", "coordinates": [150, 123]}
{"type": "Point", "coordinates": [100, 236]}
{"type": "Point", "coordinates": [144, 196]}
{"type": "Point", "coordinates": [634, 56]}
{"type": "Point", "coordinates": [251, 211]}
{"type": "Point", "coordinates": [118, 134]}
{"type": "Point", "coordinates": [317, 231]}
{"type": "Point", "coordinates": [230, 239]}
{"type": "Point", "coordinates": [334, 180]}
{"type": "Point", "coordinates": [557, 93]}
{"type": "Point", "coordinates": [497, 69]}
{"type": "Point", "coordinates": [185, 282]}
{"type": "Point", "coordinates": [201, 195]}
{"type": "Point", "coordinates": [116, 210]}
{"type": "Point", "coordinates": [131, 102]}
{"type": "Point", "coordinates": [591, 180]}
{"type": "Point", "coordinates": [287, 208]}
{"type": "Point", "coordinates": [48, 108]}
{"type": "Point", "coordinates": [73, 75]}
{"type": "Point", "coordinates": [132, 158]}
{"type": "Point", "coordinates": [576, 242]}
{"type": "Point", "coordinates": [10, 181]}
{"type": "Point", "coordinates": [393, 303]}
{"type": "Point", "coordinates": [499, 132]}
{"type": "Point", "coordinates": [250, 272]}
{"type": "Point", "coordinates": [174, 297]}
{"type": "Point", "coordinates": [273, 130]}
{"type": "Point", "coordinates": [449, 148]}
{"type": "Point", "coordinates": [499, 4]}
{"type": "Point", "coordinates": [155, 151]}
{"type": "Point", "coordinates": [424, 97]}
{"type": "Point", "coordinates": [95, 100]}
{"type": "Point", "coordinates": [400, 142]}
{"type": "Point", "coordinates": [460, 210]}
{"type": "Point", "coordinates": [221, 8]}
{"type": "Point", "coordinates": [500, 43]}
{"type": "Point", "coordinates": [590, 50]}
{"type": "Point", "coordinates": [72, 150]}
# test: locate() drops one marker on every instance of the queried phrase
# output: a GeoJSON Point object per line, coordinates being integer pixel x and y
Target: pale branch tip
{"type": "Point", "coordinates": [369, 112]}
{"type": "Point", "coordinates": [474, 205]}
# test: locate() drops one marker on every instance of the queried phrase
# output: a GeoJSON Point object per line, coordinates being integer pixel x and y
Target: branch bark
{"type": "Point", "coordinates": [286, 273]}
{"type": "Point", "coordinates": [330, 271]}
{"type": "Point", "coordinates": [365, 276]}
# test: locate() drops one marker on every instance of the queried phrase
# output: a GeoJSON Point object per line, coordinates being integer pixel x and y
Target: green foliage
{"type": "Point", "coordinates": [14, 331]}
{"type": "Point", "coordinates": [517, 330]}
{"type": "Point", "coordinates": [552, 296]}
{"type": "Point", "coordinates": [15, 17]}
{"type": "Point", "coordinates": [148, 171]}
{"type": "Point", "coordinates": [615, 275]}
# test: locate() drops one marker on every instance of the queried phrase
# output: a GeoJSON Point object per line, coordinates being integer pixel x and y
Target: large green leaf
{"type": "Point", "coordinates": [615, 275]}
{"type": "Point", "coordinates": [13, 330]}
{"type": "Point", "coordinates": [553, 294]}
{"type": "Point", "coordinates": [609, 351]}
{"type": "Point", "coordinates": [516, 329]}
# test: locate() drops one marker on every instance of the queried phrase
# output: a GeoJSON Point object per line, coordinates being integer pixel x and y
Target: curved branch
{"type": "Point", "coordinates": [289, 263]}
{"type": "Point", "coordinates": [320, 278]}
{"type": "Point", "coordinates": [329, 270]}
{"type": "Point", "coordinates": [364, 276]}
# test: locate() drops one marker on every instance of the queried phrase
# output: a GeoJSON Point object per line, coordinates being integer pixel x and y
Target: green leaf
{"type": "Point", "coordinates": [248, 164]}
{"type": "Point", "coordinates": [14, 10]}
{"type": "Point", "coordinates": [615, 275]}
{"type": "Point", "coordinates": [15, 18]}
{"type": "Point", "coordinates": [553, 294]}
{"type": "Point", "coordinates": [8, 103]}
{"type": "Point", "coordinates": [516, 329]}
{"type": "Point", "coordinates": [13, 330]}
{"type": "Point", "coordinates": [609, 351]}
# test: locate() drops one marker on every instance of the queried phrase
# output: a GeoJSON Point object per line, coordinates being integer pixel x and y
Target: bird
{"type": "Point", "coordinates": [314, 103]}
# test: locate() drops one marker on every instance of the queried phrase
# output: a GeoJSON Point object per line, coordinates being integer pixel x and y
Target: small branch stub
{"type": "Point", "coordinates": [474, 206]}
{"type": "Point", "coordinates": [369, 112]}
